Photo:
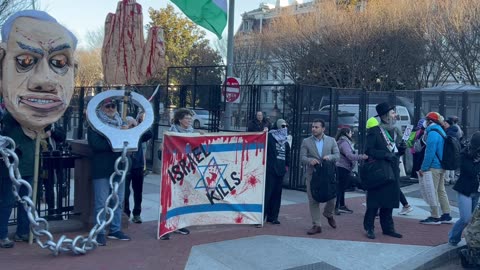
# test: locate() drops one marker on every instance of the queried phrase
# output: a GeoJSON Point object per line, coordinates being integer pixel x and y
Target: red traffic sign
{"type": "Point", "coordinates": [232, 90]}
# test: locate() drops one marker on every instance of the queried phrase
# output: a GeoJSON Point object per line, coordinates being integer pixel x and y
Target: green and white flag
{"type": "Point", "coordinates": [210, 14]}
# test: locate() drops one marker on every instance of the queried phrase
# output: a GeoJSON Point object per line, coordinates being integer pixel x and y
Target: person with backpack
{"type": "Point", "coordinates": [467, 187]}
{"type": "Point", "coordinates": [434, 152]}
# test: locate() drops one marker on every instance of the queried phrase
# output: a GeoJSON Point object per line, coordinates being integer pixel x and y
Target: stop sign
{"type": "Point", "coordinates": [232, 90]}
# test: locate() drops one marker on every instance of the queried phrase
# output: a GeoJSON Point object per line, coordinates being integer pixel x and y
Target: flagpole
{"type": "Point", "coordinates": [231, 14]}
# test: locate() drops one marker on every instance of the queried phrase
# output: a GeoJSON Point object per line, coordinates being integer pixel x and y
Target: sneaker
{"type": "Point", "coordinates": [406, 210]}
{"type": "Point", "coordinates": [165, 237]}
{"type": "Point", "coordinates": [101, 240]}
{"type": "Point", "coordinates": [453, 243]}
{"type": "Point", "coordinates": [431, 221]}
{"type": "Point", "coordinates": [137, 219]}
{"type": "Point", "coordinates": [344, 209]}
{"type": "Point", "coordinates": [20, 238]}
{"type": "Point", "coordinates": [337, 212]}
{"type": "Point", "coordinates": [183, 231]}
{"type": "Point", "coordinates": [446, 219]}
{"type": "Point", "coordinates": [118, 236]}
{"type": "Point", "coordinates": [6, 243]}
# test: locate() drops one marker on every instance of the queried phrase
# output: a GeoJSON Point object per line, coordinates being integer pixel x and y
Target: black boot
{"type": "Point", "coordinates": [370, 234]}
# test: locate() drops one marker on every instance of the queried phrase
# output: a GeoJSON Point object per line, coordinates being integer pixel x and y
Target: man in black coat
{"type": "Point", "coordinates": [258, 124]}
{"type": "Point", "coordinates": [381, 146]}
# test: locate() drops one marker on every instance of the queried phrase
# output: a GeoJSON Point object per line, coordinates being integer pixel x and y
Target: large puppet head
{"type": "Point", "coordinates": [37, 78]}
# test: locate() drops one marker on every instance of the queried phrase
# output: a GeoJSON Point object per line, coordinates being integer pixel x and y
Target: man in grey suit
{"type": "Point", "coordinates": [314, 150]}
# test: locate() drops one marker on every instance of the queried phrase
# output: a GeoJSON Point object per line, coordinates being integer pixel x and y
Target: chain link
{"type": "Point", "coordinates": [39, 226]}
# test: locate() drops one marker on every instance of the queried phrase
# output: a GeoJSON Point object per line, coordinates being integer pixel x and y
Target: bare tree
{"type": "Point", "coordinates": [458, 24]}
{"type": "Point", "coordinates": [343, 47]}
{"type": "Point", "coordinates": [89, 71]}
{"type": "Point", "coordinates": [8, 7]}
{"type": "Point", "coordinates": [95, 38]}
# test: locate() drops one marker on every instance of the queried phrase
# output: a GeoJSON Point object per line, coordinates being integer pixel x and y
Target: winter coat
{"type": "Point", "coordinates": [257, 126]}
{"type": "Point", "coordinates": [137, 157]}
{"type": "Point", "coordinates": [388, 195]}
{"type": "Point", "coordinates": [275, 164]}
{"type": "Point", "coordinates": [348, 158]}
{"type": "Point", "coordinates": [453, 132]}
{"type": "Point", "coordinates": [25, 147]}
{"type": "Point", "coordinates": [434, 148]}
{"type": "Point", "coordinates": [467, 182]}
{"type": "Point", "coordinates": [103, 158]}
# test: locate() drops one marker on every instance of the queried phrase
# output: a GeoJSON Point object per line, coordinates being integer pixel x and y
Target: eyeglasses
{"type": "Point", "coordinates": [283, 126]}
{"type": "Point", "coordinates": [108, 106]}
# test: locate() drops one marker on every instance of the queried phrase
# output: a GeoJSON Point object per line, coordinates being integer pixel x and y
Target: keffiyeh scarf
{"type": "Point", "coordinates": [116, 121]}
{"type": "Point", "coordinates": [280, 135]}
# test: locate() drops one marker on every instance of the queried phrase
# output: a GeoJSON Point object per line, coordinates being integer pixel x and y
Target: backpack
{"type": "Point", "coordinates": [451, 152]}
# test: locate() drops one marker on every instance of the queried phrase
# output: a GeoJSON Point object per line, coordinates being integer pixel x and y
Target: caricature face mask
{"type": "Point", "coordinates": [37, 72]}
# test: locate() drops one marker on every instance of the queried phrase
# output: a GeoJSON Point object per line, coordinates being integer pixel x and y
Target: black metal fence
{"type": "Point", "coordinates": [299, 105]}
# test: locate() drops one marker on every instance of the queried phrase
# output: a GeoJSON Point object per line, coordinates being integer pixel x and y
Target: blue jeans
{"type": "Point", "coordinates": [23, 224]}
{"type": "Point", "coordinates": [7, 201]}
{"type": "Point", "coordinates": [466, 205]}
{"type": "Point", "coordinates": [101, 189]}
{"type": "Point", "coordinates": [6, 205]}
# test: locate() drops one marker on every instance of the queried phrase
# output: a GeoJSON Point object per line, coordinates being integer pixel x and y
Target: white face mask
{"type": "Point", "coordinates": [425, 125]}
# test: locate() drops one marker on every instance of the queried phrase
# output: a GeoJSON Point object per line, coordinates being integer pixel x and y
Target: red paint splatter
{"type": "Point", "coordinates": [233, 192]}
{"type": "Point", "coordinates": [212, 179]}
{"type": "Point", "coordinates": [252, 181]}
{"type": "Point", "coordinates": [185, 200]}
{"type": "Point", "coordinates": [239, 219]}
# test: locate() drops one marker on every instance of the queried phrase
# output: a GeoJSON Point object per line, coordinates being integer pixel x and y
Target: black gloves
{"type": "Point", "coordinates": [390, 156]}
{"type": "Point", "coordinates": [402, 146]}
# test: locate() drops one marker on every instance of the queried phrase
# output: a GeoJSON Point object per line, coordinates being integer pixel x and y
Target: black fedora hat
{"type": "Point", "coordinates": [383, 108]}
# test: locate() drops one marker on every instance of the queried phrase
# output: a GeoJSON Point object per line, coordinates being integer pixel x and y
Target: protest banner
{"type": "Point", "coordinates": [211, 179]}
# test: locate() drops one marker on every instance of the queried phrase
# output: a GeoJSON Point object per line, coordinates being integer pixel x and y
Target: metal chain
{"type": "Point", "coordinates": [39, 226]}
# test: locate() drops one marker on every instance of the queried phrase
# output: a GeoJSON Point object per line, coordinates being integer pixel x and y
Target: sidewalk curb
{"type": "Point", "coordinates": [432, 258]}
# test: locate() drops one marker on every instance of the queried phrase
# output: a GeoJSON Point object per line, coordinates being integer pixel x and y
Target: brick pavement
{"type": "Point", "coordinates": [145, 252]}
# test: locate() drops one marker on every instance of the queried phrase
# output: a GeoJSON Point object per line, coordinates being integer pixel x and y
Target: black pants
{"type": "Point", "coordinates": [273, 196]}
{"type": "Point", "coordinates": [342, 184]}
{"type": "Point", "coordinates": [403, 200]}
{"type": "Point", "coordinates": [49, 184]}
{"type": "Point", "coordinates": [136, 179]}
{"type": "Point", "coordinates": [417, 163]}
{"type": "Point", "coordinates": [386, 220]}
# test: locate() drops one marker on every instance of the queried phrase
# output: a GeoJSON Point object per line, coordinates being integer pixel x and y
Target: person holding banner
{"type": "Point", "coordinates": [278, 158]}
{"type": "Point", "coordinates": [381, 145]}
{"type": "Point", "coordinates": [258, 124]}
{"type": "Point", "coordinates": [182, 123]}
{"type": "Point", "coordinates": [315, 150]}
